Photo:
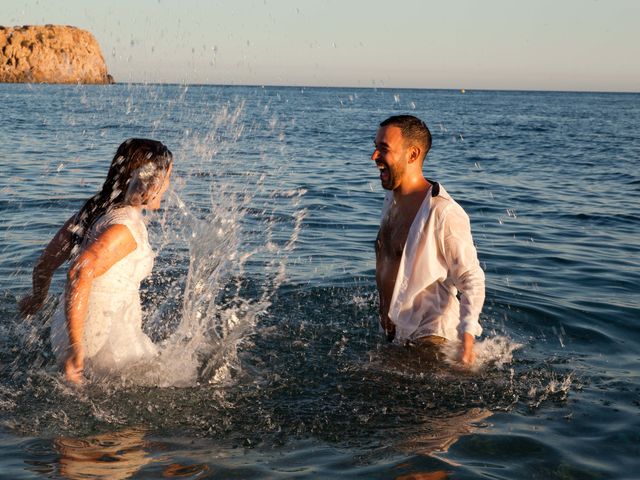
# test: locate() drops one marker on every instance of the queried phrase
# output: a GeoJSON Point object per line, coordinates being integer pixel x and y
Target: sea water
{"type": "Point", "coordinates": [263, 294]}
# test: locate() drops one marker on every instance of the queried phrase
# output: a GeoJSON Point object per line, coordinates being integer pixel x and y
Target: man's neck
{"type": "Point", "coordinates": [412, 186]}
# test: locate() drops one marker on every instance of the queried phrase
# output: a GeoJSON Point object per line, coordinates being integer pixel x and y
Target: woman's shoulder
{"type": "Point", "coordinates": [128, 216]}
{"type": "Point", "coordinates": [125, 213]}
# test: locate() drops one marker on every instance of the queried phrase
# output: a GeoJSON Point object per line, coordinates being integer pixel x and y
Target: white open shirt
{"type": "Point", "coordinates": [438, 261]}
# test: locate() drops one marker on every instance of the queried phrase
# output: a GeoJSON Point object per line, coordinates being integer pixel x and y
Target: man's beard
{"type": "Point", "coordinates": [389, 176]}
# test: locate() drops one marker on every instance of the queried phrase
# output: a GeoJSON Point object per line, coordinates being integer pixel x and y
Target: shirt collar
{"type": "Point", "coordinates": [435, 188]}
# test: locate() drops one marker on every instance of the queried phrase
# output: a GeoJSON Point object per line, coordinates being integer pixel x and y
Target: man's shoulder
{"type": "Point", "coordinates": [441, 200]}
{"type": "Point", "coordinates": [443, 204]}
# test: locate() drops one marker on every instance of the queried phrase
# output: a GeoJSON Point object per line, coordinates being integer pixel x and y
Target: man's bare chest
{"type": "Point", "coordinates": [392, 236]}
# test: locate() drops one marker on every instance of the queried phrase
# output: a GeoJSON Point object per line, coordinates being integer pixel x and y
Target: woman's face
{"type": "Point", "coordinates": [156, 198]}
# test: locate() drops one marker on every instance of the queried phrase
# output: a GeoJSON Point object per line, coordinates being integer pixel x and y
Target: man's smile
{"type": "Point", "coordinates": [384, 170]}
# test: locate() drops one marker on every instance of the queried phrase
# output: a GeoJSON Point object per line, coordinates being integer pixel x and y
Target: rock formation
{"type": "Point", "coordinates": [50, 54]}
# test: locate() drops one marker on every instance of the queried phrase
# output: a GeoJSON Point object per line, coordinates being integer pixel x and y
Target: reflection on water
{"type": "Point", "coordinates": [438, 475]}
{"type": "Point", "coordinates": [436, 437]}
{"type": "Point", "coordinates": [128, 453]}
{"type": "Point", "coordinates": [442, 432]}
{"type": "Point", "coordinates": [116, 455]}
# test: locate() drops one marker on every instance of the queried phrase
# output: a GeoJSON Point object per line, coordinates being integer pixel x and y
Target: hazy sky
{"type": "Point", "coordinates": [488, 44]}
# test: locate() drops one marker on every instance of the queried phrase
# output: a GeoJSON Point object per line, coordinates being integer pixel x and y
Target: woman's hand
{"type": "Point", "coordinates": [74, 365]}
{"type": "Point", "coordinates": [30, 304]}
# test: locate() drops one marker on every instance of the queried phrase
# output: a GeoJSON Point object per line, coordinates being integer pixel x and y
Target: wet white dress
{"type": "Point", "coordinates": [113, 338]}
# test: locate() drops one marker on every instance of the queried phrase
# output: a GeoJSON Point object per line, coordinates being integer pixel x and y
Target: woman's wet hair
{"type": "Point", "coordinates": [145, 184]}
{"type": "Point", "coordinates": [136, 168]}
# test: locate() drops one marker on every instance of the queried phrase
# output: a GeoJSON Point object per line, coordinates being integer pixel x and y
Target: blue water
{"type": "Point", "coordinates": [305, 387]}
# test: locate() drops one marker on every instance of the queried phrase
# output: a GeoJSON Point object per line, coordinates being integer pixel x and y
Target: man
{"type": "Point", "coordinates": [425, 257]}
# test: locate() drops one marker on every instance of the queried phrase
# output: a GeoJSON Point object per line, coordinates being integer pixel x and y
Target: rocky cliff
{"type": "Point", "coordinates": [50, 54]}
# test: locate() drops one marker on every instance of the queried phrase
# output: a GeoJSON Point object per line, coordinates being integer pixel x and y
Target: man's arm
{"type": "Point", "coordinates": [385, 290]}
{"type": "Point", "coordinates": [387, 325]}
{"type": "Point", "coordinates": [467, 276]}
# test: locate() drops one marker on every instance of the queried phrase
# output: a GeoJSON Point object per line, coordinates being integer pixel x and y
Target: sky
{"type": "Point", "coordinates": [576, 45]}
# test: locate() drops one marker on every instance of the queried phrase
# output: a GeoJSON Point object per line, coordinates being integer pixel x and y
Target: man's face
{"type": "Point", "coordinates": [390, 156]}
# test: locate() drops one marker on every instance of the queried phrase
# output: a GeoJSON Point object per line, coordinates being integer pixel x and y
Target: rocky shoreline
{"type": "Point", "coordinates": [51, 54]}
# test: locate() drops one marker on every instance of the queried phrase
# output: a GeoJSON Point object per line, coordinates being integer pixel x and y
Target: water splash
{"type": "Point", "coordinates": [226, 258]}
{"type": "Point", "coordinates": [220, 259]}
{"type": "Point", "coordinates": [494, 351]}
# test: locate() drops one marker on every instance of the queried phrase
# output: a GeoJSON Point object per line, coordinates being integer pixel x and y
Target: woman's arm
{"type": "Point", "coordinates": [55, 254]}
{"type": "Point", "coordinates": [115, 243]}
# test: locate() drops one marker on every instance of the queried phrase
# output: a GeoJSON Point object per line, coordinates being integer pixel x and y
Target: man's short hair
{"type": "Point", "coordinates": [413, 129]}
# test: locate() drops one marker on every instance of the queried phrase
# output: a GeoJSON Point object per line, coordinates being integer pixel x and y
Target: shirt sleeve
{"type": "Point", "coordinates": [464, 269]}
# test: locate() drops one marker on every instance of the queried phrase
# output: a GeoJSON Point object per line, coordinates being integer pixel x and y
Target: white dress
{"type": "Point", "coordinates": [113, 338]}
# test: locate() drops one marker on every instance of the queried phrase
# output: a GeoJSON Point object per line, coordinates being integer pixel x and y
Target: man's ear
{"type": "Point", "coordinates": [414, 153]}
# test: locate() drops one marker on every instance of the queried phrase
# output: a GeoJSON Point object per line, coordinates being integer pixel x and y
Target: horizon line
{"type": "Point", "coordinates": [277, 85]}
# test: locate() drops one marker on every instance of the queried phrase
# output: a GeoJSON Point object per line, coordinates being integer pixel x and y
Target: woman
{"type": "Point", "coordinates": [100, 320]}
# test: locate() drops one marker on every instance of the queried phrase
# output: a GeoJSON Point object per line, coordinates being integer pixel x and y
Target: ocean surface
{"type": "Point", "coordinates": [265, 267]}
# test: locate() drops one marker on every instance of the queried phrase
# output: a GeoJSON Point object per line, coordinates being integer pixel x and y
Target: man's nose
{"type": "Point", "coordinates": [375, 155]}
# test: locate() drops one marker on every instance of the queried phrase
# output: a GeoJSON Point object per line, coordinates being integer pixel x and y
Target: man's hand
{"type": "Point", "coordinates": [468, 357]}
{"type": "Point", "coordinates": [388, 327]}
